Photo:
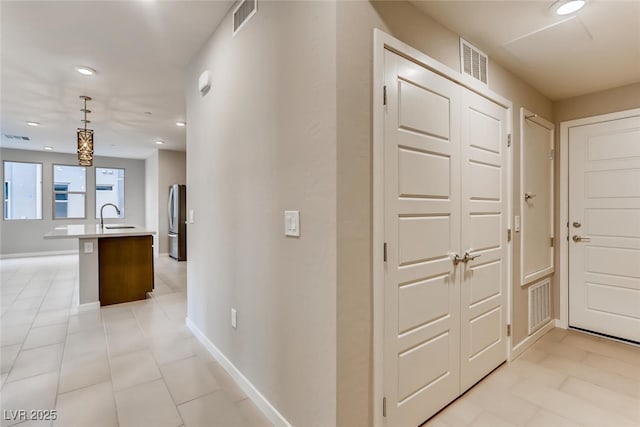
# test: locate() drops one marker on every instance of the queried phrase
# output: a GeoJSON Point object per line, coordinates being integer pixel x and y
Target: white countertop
{"type": "Point", "coordinates": [89, 231]}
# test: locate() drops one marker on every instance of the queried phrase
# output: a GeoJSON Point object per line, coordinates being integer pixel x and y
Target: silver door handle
{"type": "Point", "coordinates": [529, 195]}
{"type": "Point", "coordinates": [457, 259]}
{"type": "Point", "coordinates": [578, 239]}
{"type": "Point", "coordinates": [468, 257]}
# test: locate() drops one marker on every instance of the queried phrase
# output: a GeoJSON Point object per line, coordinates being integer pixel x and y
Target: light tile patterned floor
{"type": "Point", "coordinates": [567, 378]}
{"type": "Point", "coordinates": [137, 365]}
{"type": "Point", "coordinates": [131, 364]}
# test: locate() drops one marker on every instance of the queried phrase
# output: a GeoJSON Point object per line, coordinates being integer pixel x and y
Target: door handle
{"type": "Point", "coordinates": [529, 195]}
{"type": "Point", "coordinates": [579, 239]}
{"type": "Point", "coordinates": [457, 259]}
{"type": "Point", "coordinates": [468, 257]}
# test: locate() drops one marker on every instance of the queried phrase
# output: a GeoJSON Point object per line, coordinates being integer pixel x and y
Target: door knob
{"type": "Point", "coordinates": [578, 239]}
{"type": "Point", "coordinates": [529, 195]}
{"type": "Point", "coordinates": [468, 257]}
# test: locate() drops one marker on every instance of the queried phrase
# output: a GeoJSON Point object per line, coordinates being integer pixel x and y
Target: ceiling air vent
{"type": "Point", "coordinates": [473, 61]}
{"type": "Point", "coordinates": [17, 138]}
{"type": "Point", "coordinates": [244, 11]}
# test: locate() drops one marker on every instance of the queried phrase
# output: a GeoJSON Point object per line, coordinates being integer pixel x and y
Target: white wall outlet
{"type": "Point", "coordinates": [192, 216]}
{"type": "Point", "coordinates": [88, 247]}
{"type": "Point", "coordinates": [234, 318]}
{"type": "Point", "coordinates": [292, 223]}
{"type": "Point", "coordinates": [516, 223]}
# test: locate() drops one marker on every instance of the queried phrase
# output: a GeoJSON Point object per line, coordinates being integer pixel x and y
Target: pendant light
{"type": "Point", "coordinates": [85, 138]}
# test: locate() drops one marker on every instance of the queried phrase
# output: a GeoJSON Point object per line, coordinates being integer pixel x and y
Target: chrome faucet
{"type": "Point", "coordinates": [102, 208]}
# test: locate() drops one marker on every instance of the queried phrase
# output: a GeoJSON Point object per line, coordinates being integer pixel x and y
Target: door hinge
{"type": "Point", "coordinates": [384, 252]}
{"type": "Point", "coordinates": [509, 330]}
{"type": "Point", "coordinates": [508, 140]}
{"type": "Point", "coordinates": [384, 95]}
{"type": "Point", "coordinates": [384, 406]}
{"type": "Point", "coordinates": [552, 154]}
{"type": "Point", "coordinates": [551, 241]}
{"type": "Point", "coordinates": [508, 234]}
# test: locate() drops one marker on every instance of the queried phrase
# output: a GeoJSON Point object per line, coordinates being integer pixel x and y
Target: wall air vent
{"type": "Point", "coordinates": [473, 61]}
{"type": "Point", "coordinates": [539, 305]}
{"type": "Point", "coordinates": [17, 138]}
{"type": "Point", "coordinates": [243, 12]}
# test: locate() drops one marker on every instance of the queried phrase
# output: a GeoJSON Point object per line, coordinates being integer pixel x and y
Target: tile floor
{"type": "Point", "coordinates": [137, 365]}
{"type": "Point", "coordinates": [131, 364]}
{"type": "Point", "coordinates": [567, 378]}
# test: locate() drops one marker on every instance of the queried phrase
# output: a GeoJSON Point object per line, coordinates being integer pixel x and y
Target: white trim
{"type": "Point", "coordinates": [564, 201]}
{"type": "Point", "coordinates": [39, 254]}
{"type": "Point", "coordinates": [557, 323]}
{"type": "Point", "coordinates": [89, 306]}
{"type": "Point", "coordinates": [382, 41]}
{"type": "Point", "coordinates": [533, 277]}
{"type": "Point", "coordinates": [251, 391]}
{"type": "Point", "coordinates": [531, 339]}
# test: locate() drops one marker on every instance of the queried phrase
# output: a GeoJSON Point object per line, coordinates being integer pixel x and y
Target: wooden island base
{"type": "Point", "coordinates": [126, 268]}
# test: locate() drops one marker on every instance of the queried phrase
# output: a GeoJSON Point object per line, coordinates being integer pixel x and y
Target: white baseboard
{"type": "Point", "coordinates": [250, 390]}
{"type": "Point", "coordinates": [37, 254]}
{"type": "Point", "coordinates": [89, 306]}
{"type": "Point", "coordinates": [528, 342]}
{"type": "Point", "coordinates": [559, 324]}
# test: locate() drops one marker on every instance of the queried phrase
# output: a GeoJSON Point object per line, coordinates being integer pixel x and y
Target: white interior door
{"type": "Point", "coordinates": [484, 237]}
{"type": "Point", "coordinates": [445, 193]}
{"type": "Point", "coordinates": [604, 217]}
{"type": "Point", "coordinates": [422, 217]}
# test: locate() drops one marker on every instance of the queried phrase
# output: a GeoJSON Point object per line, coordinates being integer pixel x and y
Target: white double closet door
{"type": "Point", "coordinates": [445, 194]}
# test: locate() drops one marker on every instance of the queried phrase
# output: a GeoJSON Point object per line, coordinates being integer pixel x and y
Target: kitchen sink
{"type": "Point", "coordinates": [118, 226]}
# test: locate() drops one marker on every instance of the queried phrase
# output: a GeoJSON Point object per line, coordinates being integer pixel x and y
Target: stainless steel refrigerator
{"type": "Point", "coordinates": [177, 211]}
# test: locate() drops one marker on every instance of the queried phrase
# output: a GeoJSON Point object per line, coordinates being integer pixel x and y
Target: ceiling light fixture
{"type": "Point", "coordinates": [33, 124]}
{"type": "Point", "coordinates": [567, 7]}
{"type": "Point", "coordinates": [85, 71]}
{"type": "Point", "coordinates": [85, 138]}
{"type": "Point", "coordinates": [48, 147]}
{"type": "Point", "coordinates": [181, 124]}
{"type": "Point", "coordinates": [159, 142]}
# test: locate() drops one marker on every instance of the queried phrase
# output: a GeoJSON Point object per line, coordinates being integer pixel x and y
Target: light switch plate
{"type": "Point", "coordinates": [292, 223]}
{"type": "Point", "coordinates": [88, 247]}
{"type": "Point", "coordinates": [234, 318]}
{"type": "Point", "coordinates": [516, 223]}
{"type": "Point", "coordinates": [192, 216]}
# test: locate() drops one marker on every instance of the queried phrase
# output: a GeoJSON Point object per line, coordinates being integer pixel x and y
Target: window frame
{"type": "Point", "coordinates": [54, 193]}
{"type": "Point", "coordinates": [124, 190]}
{"type": "Point", "coordinates": [4, 195]}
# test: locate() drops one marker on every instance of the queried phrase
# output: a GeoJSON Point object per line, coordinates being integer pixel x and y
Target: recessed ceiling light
{"type": "Point", "coordinates": [48, 147]}
{"type": "Point", "coordinates": [33, 123]}
{"type": "Point", "coordinates": [86, 71]}
{"type": "Point", "coordinates": [159, 142]}
{"type": "Point", "coordinates": [181, 124]}
{"type": "Point", "coordinates": [567, 7]}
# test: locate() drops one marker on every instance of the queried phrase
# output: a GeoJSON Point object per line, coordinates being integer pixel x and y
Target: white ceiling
{"type": "Point", "coordinates": [140, 50]}
{"type": "Point", "coordinates": [598, 48]}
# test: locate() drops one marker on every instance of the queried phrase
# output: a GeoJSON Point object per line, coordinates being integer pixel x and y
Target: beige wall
{"type": "Point", "coordinates": [355, 22]}
{"type": "Point", "coordinates": [151, 197]}
{"type": "Point", "coordinates": [26, 236]}
{"type": "Point", "coordinates": [593, 104]}
{"type": "Point", "coordinates": [260, 142]}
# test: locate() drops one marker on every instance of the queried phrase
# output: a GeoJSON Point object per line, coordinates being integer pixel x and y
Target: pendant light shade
{"type": "Point", "coordinates": [85, 138]}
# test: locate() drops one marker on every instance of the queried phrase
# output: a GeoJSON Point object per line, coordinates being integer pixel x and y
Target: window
{"type": "Point", "coordinates": [69, 190]}
{"type": "Point", "coordinates": [110, 189]}
{"type": "Point", "coordinates": [22, 190]}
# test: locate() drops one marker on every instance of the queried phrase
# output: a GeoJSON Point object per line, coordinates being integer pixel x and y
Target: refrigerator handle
{"type": "Point", "coordinates": [169, 212]}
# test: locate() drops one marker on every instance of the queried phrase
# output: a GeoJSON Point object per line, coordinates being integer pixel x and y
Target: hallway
{"type": "Point", "coordinates": [137, 365]}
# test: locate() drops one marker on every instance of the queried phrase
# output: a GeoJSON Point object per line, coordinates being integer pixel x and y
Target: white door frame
{"type": "Point", "coordinates": [382, 41]}
{"type": "Point", "coordinates": [564, 201]}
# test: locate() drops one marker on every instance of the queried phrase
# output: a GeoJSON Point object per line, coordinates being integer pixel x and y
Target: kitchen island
{"type": "Point", "coordinates": [115, 262]}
